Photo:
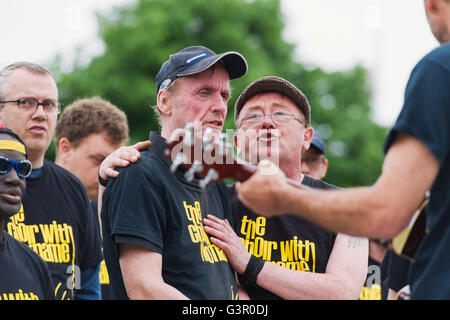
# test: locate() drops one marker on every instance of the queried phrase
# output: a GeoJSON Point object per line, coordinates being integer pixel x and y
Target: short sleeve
{"type": "Point", "coordinates": [135, 208]}
{"type": "Point", "coordinates": [425, 114]}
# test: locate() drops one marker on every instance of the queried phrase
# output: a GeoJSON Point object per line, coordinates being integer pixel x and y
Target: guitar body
{"type": "Point", "coordinates": [405, 244]}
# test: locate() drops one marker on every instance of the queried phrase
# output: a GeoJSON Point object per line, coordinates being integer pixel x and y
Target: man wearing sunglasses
{"type": "Point", "coordinates": [56, 213]}
{"type": "Point", "coordinates": [25, 276]}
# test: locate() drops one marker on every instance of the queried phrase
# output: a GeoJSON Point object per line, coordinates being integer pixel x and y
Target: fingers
{"type": "Point", "coordinates": [214, 227]}
{"type": "Point", "coordinates": [142, 145]}
{"type": "Point", "coordinates": [111, 173]}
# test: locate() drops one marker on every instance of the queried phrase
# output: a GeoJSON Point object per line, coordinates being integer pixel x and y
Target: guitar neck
{"type": "Point", "coordinates": [244, 170]}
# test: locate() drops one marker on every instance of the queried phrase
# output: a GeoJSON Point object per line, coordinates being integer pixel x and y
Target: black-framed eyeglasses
{"type": "Point", "coordinates": [278, 117]}
{"type": "Point", "coordinates": [31, 105]}
{"type": "Point", "coordinates": [23, 167]}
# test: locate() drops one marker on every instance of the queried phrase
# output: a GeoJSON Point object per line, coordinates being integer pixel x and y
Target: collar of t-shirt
{"type": "Point", "coordinates": [36, 172]}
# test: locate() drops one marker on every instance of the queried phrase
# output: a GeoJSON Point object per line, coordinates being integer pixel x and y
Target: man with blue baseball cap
{"type": "Point", "coordinates": [314, 161]}
{"type": "Point", "coordinates": [155, 246]}
{"type": "Point", "coordinates": [195, 59]}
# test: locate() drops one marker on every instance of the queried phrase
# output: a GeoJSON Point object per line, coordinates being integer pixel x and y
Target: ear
{"type": "Point", "coordinates": [324, 168]}
{"type": "Point", "coordinates": [307, 138]}
{"type": "Point", "coordinates": [431, 6]}
{"type": "Point", "coordinates": [163, 102]}
{"type": "Point", "coordinates": [64, 149]}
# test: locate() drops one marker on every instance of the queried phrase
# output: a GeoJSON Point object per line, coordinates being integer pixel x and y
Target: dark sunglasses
{"type": "Point", "coordinates": [23, 167]}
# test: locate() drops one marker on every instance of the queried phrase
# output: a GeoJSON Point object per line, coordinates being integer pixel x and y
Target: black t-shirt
{"type": "Point", "coordinates": [57, 222]}
{"type": "Point", "coordinates": [288, 241]}
{"type": "Point", "coordinates": [375, 287]}
{"type": "Point", "coordinates": [149, 206]}
{"type": "Point", "coordinates": [426, 116]}
{"type": "Point", "coordinates": [24, 275]}
{"type": "Point", "coordinates": [397, 270]}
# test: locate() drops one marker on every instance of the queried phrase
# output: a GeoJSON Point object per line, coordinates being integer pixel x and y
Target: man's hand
{"type": "Point", "coordinates": [121, 158]}
{"type": "Point", "coordinates": [263, 191]}
{"type": "Point", "coordinates": [225, 238]}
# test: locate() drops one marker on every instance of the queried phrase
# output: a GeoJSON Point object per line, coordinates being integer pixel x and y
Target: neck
{"type": "Point", "coordinates": [36, 160]}
{"type": "Point", "coordinates": [292, 172]}
{"type": "Point", "coordinates": [58, 161]}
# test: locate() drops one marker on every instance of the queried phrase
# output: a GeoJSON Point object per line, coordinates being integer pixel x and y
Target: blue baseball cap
{"type": "Point", "coordinates": [195, 59]}
{"type": "Point", "coordinates": [317, 142]}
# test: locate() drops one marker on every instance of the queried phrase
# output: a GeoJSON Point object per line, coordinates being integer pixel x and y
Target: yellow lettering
{"type": "Point", "coordinates": [19, 295]}
{"type": "Point", "coordinates": [286, 251]}
{"type": "Point", "coordinates": [260, 227]}
{"type": "Point", "coordinates": [104, 276]}
{"type": "Point", "coordinates": [47, 233]}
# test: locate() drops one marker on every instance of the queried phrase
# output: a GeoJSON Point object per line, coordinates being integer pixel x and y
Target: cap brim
{"type": "Point", "coordinates": [233, 61]}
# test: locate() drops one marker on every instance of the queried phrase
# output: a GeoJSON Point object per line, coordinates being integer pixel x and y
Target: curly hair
{"type": "Point", "coordinates": [92, 115]}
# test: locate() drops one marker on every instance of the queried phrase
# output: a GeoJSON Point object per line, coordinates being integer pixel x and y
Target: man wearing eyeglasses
{"type": "Point", "coordinates": [53, 219]}
{"type": "Point", "coordinates": [308, 262]}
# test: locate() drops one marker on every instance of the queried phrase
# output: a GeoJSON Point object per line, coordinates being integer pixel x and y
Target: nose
{"type": "Point", "coordinates": [39, 112]}
{"type": "Point", "coordinates": [219, 104]}
{"type": "Point", "coordinates": [268, 122]}
{"type": "Point", "coordinates": [12, 178]}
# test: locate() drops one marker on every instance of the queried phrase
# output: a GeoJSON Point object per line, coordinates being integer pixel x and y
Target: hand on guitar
{"type": "Point", "coordinates": [265, 186]}
{"type": "Point", "coordinates": [212, 158]}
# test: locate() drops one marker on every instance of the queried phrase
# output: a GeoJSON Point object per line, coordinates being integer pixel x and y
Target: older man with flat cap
{"type": "Point", "coordinates": [307, 262]}
{"type": "Point", "coordinates": [154, 243]}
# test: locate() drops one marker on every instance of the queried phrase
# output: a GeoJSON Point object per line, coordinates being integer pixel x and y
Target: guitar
{"type": "Point", "coordinates": [208, 157]}
{"type": "Point", "coordinates": [212, 159]}
{"type": "Point", "coordinates": [405, 244]}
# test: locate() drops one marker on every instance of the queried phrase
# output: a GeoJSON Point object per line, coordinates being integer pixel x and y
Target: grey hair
{"type": "Point", "coordinates": [29, 66]}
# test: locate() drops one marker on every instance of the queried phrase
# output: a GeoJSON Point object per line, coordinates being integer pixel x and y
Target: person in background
{"type": "Point", "coordinates": [314, 160]}
{"type": "Point", "coordinates": [57, 216]}
{"type": "Point", "coordinates": [24, 275]}
{"type": "Point", "coordinates": [87, 131]}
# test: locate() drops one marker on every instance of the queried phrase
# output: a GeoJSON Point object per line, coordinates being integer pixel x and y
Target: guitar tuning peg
{"type": "Point", "coordinates": [196, 167]}
{"type": "Point", "coordinates": [211, 176]}
{"type": "Point", "coordinates": [179, 159]}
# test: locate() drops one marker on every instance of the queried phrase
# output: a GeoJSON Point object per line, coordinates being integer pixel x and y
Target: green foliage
{"type": "Point", "coordinates": [140, 36]}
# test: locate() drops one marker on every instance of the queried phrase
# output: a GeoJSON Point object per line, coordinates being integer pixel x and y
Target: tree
{"type": "Point", "coordinates": [140, 36]}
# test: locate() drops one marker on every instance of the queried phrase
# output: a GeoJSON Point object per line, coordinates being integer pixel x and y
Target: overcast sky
{"type": "Point", "coordinates": [387, 37]}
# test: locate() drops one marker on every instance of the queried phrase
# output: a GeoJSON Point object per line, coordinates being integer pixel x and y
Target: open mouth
{"type": "Point", "coordinates": [215, 123]}
{"type": "Point", "coordinates": [269, 135]}
{"type": "Point", "coordinates": [37, 129]}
